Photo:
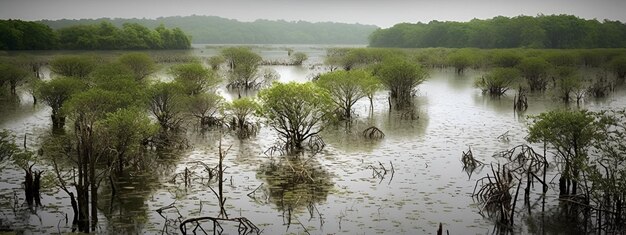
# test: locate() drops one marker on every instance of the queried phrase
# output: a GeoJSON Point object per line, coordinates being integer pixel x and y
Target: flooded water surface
{"type": "Point", "coordinates": [406, 183]}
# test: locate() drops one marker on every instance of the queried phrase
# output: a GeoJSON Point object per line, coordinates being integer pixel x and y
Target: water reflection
{"type": "Point", "coordinates": [295, 184]}
{"type": "Point", "coordinates": [122, 200]}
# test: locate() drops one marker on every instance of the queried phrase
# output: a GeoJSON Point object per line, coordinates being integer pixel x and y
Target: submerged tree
{"type": "Point", "coordinates": [12, 75]}
{"type": "Point", "coordinates": [460, 60]}
{"type": "Point", "coordinates": [73, 66]}
{"type": "Point", "coordinates": [498, 81]}
{"type": "Point", "coordinates": [296, 111]}
{"type": "Point", "coordinates": [607, 172]}
{"type": "Point", "coordinates": [122, 133]}
{"type": "Point", "coordinates": [86, 109]}
{"type": "Point", "coordinates": [243, 64]}
{"type": "Point", "coordinates": [298, 58]}
{"type": "Point", "coordinates": [568, 83]}
{"type": "Point", "coordinates": [346, 88]}
{"type": "Point", "coordinates": [204, 107]}
{"type": "Point", "coordinates": [242, 111]}
{"type": "Point", "coordinates": [535, 70]}
{"type": "Point", "coordinates": [216, 61]}
{"type": "Point", "coordinates": [55, 93]}
{"type": "Point", "coordinates": [140, 64]}
{"type": "Point", "coordinates": [165, 102]}
{"type": "Point", "coordinates": [400, 77]}
{"type": "Point", "coordinates": [570, 133]}
{"type": "Point", "coordinates": [618, 66]}
{"type": "Point", "coordinates": [194, 78]}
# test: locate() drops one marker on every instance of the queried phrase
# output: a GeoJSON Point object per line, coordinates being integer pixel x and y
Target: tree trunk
{"type": "Point", "coordinates": [28, 187]}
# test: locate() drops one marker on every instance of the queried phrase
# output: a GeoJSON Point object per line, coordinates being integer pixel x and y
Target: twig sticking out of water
{"type": "Point", "coordinates": [469, 162]}
{"type": "Point", "coordinates": [381, 172]}
{"type": "Point", "coordinates": [504, 137]}
{"type": "Point", "coordinates": [244, 227]}
{"type": "Point", "coordinates": [253, 191]}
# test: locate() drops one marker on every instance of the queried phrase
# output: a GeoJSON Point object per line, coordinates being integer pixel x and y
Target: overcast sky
{"type": "Point", "coordinates": [383, 13]}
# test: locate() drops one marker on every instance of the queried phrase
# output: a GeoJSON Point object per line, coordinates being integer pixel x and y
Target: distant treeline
{"type": "Point", "coordinates": [24, 35]}
{"type": "Point", "coordinates": [212, 29]}
{"type": "Point", "coordinates": [543, 31]}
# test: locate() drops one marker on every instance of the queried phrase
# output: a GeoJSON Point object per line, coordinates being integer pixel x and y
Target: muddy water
{"type": "Point", "coordinates": [427, 187]}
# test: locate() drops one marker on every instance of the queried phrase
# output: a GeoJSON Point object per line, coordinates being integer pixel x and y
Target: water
{"type": "Point", "coordinates": [428, 186]}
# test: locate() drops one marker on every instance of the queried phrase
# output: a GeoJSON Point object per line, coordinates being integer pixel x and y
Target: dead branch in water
{"type": "Point", "coordinates": [520, 102]}
{"type": "Point", "coordinates": [381, 172]}
{"type": "Point", "coordinates": [373, 133]}
{"type": "Point", "coordinates": [469, 162]}
{"type": "Point", "coordinates": [504, 137]}
{"type": "Point", "coordinates": [494, 194]}
{"type": "Point", "coordinates": [244, 226]}
{"type": "Point", "coordinates": [316, 143]}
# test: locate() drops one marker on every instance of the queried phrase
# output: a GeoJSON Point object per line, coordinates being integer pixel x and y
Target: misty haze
{"type": "Point", "coordinates": [312, 117]}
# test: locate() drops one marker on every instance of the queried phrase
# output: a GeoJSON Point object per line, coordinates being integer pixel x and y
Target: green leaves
{"type": "Point", "coordinates": [73, 66]}
{"type": "Point", "coordinates": [13, 76]}
{"type": "Point", "coordinates": [243, 64]}
{"type": "Point", "coordinates": [7, 146]}
{"type": "Point", "coordinates": [347, 87]}
{"type": "Point", "coordinates": [498, 81]}
{"type": "Point", "coordinates": [297, 111]}
{"type": "Point", "coordinates": [400, 77]}
{"type": "Point", "coordinates": [140, 64]}
{"type": "Point", "coordinates": [568, 131]}
{"type": "Point", "coordinates": [535, 70]}
{"type": "Point", "coordinates": [194, 78]}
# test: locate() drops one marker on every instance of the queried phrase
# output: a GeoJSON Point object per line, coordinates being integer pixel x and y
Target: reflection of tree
{"type": "Point", "coordinates": [556, 220]}
{"type": "Point", "coordinates": [124, 207]}
{"type": "Point", "coordinates": [295, 184]}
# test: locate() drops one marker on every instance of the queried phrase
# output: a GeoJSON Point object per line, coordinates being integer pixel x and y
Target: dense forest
{"type": "Point", "coordinates": [213, 29]}
{"type": "Point", "coordinates": [543, 31]}
{"type": "Point", "coordinates": [24, 35]}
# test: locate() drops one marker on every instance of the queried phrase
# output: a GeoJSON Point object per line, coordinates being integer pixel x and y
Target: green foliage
{"type": "Point", "coordinates": [243, 63]}
{"type": "Point", "coordinates": [460, 60]}
{"type": "Point", "coordinates": [347, 87]}
{"type": "Point", "coordinates": [607, 172]}
{"type": "Point", "coordinates": [535, 70]}
{"type": "Point", "coordinates": [542, 31]}
{"type": "Point", "coordinates": [104, 35]}
{"type": "Point", "coordinates": [216, 62]}
{"type": "Point", "coordinates": [571, 133]}
{"type": "Point", "coordinates": [173, 38]}
{"type": "Point", "coordinates": [563, 129]}
{"type": "Point", "coordinates": [562, 58]}
{"type": "Point", "coordinates": [359, 57]}
{"type": "Point", "coordinates": [505, 58]}
{"type": "Point", "coordinates": [55, 93]}
{"type": "Point", "coordinates": [296, 111]}
{"type": "Point", "coordinates": [194, 78]}
{"type": "Point", "coordinates": [298, 58]}
{"type": "Point", "coordinates": [498, 81]}
{"type": "Point", "coordinates": [618, 66]}
{"type": "Point", "coordinates": [123, 131]}
{"type": "Point", "coordinates": [204, 105]}
{"type": "Point", "coordinates": [7, 146]}
{"type": "Point", "coordinates": [13, 76]}
{"type": "Point", "coordinates": [165, 101]}
{"type": "Point", "coordinates": [217, 30]}
{"type": "Point", "coordinates": [24, 35]}
{"type": "Point", "coordinates": [73, 66]}
{"type": "Point", "coordinates": [141, 64]}
{"type": "Point", "coordinates": [242, 110]}
{"type": "Point", "coordinates": [400, 77]}
{"type": "Point", "coordinates": [568, 82]}
{"type": "Point", "coordinates": [94, 104]}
